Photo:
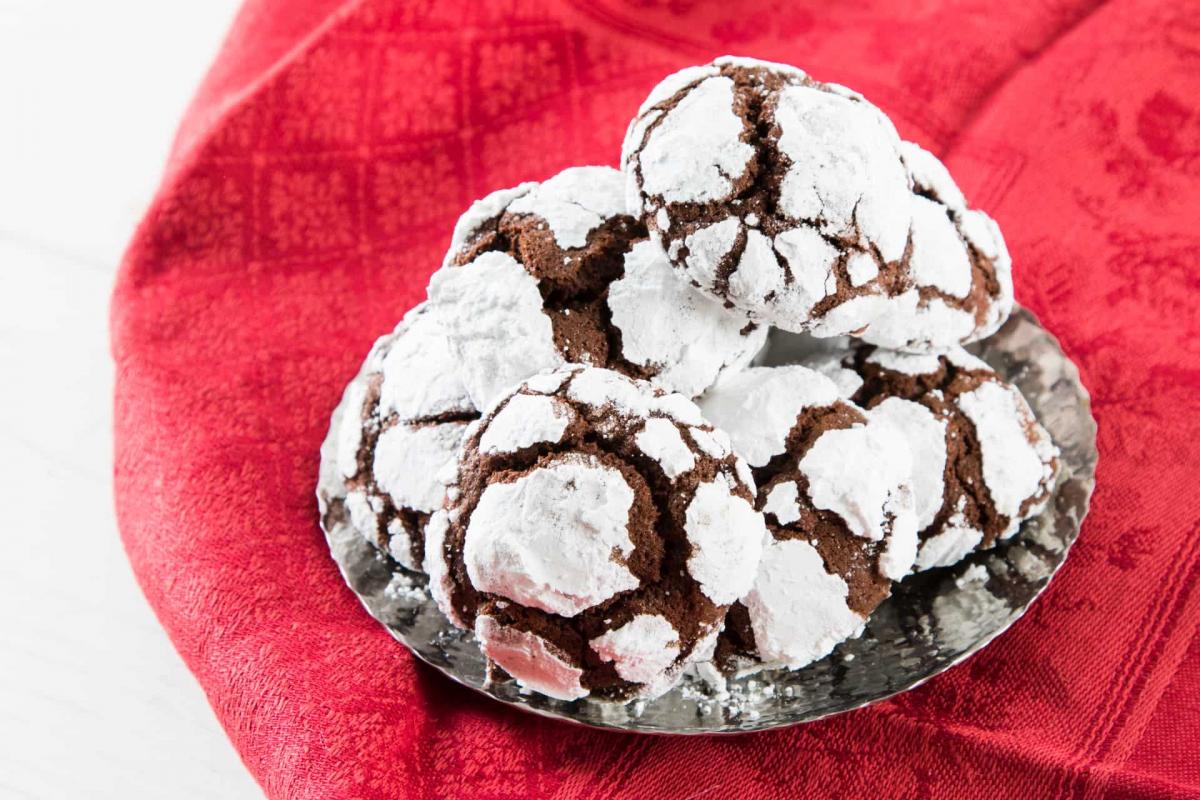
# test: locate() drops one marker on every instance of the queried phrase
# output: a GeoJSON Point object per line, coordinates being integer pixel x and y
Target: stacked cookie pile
{"type": "Point", "coordinates": [569, 436]}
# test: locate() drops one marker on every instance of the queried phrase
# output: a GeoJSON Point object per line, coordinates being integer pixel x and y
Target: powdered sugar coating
{"type": "Point", "coordinates": [830, 365]}
{"type": "Point", "coordinates": [858, 473]}
{"type": "Point", "coordinates": [350, 432]}
{"type": "Point", "coordinates": [938, 259]}
{"type": "Point", "coordinates": [406, 456]}
{"type": "Point", "coordinates": [900, 550]}
{"type": "Point", "coordinates": [687, 338]}
{"type": "Point", "coordinates": [707, 248]}
{"type": "Point", "coordinates": [480, 214]}
{"type": "Point", "coordinates": [905, 363]}
{"type": "Point", "coordinates": [551, 538]}
{"type": "Point", "coordinates": [714, 441]}
{"type": "Point", "coordinates": [661, 440]}
{"type": "Point", "coordinates": [964, 360]}
{"type": "Point", "coordinates": [852, 315]}
{"type": "Point", "coordinates": [689, 157]}
{"type": "Point", "coordinates": [758, 407]}
{"type": "Point", "coordinates": [723, 530]}
{"type": "Point", "coordinates": [364, 515]}
{"type": "Point", "coordinates": [602, 387]}
{"type": "Point", "coordinates": [526, 420]}
{"type": "Point", "coordinates": [546, 382]}
{"type": "Point", "coordinates": [961, 271]}
{"type": "Point", "coordinates": [574, 202]}
{"type": "Point", "coordinates": [909, 321]}
{"type": "Point", "coordinates": [845, 168]}
{"type": "Point", "coordinates": [642, 650]}
{"type": "Point", "coordinates": [925, 434]}
{"type": "Point", "coordinates": [765, 187]}
{"type": "Point", "coordinates": [492, 310]}
{"type": "Point", "coordinates": [421, 378]}
{"type": "Point", "coordinates": [798, 611]}
{"type": "Point", "coordinates": [535, 662]}
{"type": "Point", "coordinates": [440, 582]}
{"type": "Point", "coordinates": [783, 502]}
{"type": "Point", "coordinates": [1017, 455]}
{"type": "Point", "coordinates": [952, 543]}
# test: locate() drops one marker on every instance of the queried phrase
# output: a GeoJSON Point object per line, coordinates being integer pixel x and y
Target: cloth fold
{"type": "Point", "coordinates": [313, 188]}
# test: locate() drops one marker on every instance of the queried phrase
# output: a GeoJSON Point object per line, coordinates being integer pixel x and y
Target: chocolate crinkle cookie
{"type": "Point", "coordinates": [598, 531]}
{"type": "Point", "coordinates": [960, 267]}
{"type": "Point", "coordinates": [402, 425]}
{"type": "Point", "coordinates": [982, 463]}
{"type": "Point", "coordinates": [551, 273]}
{"type": "Point", "coordinates": [834, 487]}
{"type": "Point", "coordinates": [775, 193]}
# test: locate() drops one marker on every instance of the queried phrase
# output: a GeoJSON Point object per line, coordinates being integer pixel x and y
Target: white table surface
{"type": "Point", "coordinates": [94, 702]}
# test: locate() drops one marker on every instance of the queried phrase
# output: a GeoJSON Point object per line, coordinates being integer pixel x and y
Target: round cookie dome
{"type": "Point", "coordinates": [402, 426]}
{"type": "Point", "coordinates": [834, 488]}
{"type": "Point", "coordinates": [960, 267]}
{"type": "Point", "coordinates": [982, 463]}
{"type": "Point", "coordinates": [597, 534]}
{"type": "Point", "coordinates": [551, 273]}
{"type": "Point", "coordinates": [778, 194]}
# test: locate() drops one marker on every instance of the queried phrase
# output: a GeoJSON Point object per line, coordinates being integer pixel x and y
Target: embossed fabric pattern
{"type": "Point", "coordinates": [312, 190]}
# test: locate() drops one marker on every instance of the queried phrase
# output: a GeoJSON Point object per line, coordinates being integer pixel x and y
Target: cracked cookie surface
{"type": "Point", "coordinates": [982, 463]}
{"type": "Point", "coordinates": [597, 533]}
{"type": "Point", "coordinates": [551, 273]}
{"type": "Point", "coordinates": [959, 264]}
{"type": "Point", "coordinates": [834, 488]}
{"type": "Point", "coordinates": [401, 429]}
{"type": "Point", "coordinates": [773, 192]}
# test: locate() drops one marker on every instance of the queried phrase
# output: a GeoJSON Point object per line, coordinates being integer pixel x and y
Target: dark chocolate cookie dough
{"type": "Point", "coordinates": [598, 531]}
{"type": "Point", "coordinates": [553, 273]}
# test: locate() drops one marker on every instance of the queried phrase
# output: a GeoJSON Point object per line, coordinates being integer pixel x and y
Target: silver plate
{"type": "Point", "coordinates": [932, 621]}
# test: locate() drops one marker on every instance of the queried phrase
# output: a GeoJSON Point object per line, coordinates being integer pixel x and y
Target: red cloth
{"type": "Point", "coordinates": [313, 187]}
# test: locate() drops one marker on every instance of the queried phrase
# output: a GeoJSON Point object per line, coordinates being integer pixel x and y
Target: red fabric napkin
{"type": "Point", "coordinates": [312, 190]}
